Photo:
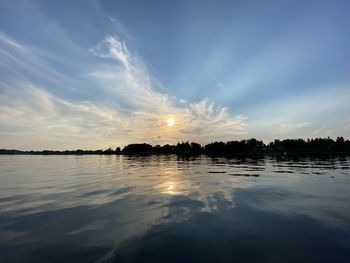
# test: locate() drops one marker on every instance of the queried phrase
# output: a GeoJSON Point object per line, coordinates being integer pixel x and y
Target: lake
{"type": "Point", "coordinates": [164, 208]}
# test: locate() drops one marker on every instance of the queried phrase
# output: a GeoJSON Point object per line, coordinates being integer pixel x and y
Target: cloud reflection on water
{"type": "Point", "coordinates": [107, 202]}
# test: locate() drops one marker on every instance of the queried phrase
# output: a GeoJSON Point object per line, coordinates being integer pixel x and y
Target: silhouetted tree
{"type": "Point", "coordinates": [138, 148]}
{"type": "Point", "coordinates": [109, 151]}
{"type": "Point", "coordinates": [117, 150]}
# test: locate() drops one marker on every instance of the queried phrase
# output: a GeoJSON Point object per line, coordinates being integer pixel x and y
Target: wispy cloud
{"type": "Point", "coordinates": [292, 128]}
{"type": "Point", "coordinates": [33, 117]}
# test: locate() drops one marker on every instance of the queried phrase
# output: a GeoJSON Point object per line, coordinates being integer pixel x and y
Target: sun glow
{"type": "Point", "coordinates": [171, 122]}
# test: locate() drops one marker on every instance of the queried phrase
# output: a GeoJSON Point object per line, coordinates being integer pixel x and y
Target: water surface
{"type": "Point", "coordinates": [171, 209]}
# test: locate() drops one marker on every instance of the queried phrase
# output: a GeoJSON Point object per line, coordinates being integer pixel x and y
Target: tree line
{"type": "Point", "coordinates": [250, 146]}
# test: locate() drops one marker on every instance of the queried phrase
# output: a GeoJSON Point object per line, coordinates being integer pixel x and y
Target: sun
{"type": "Point", "coordinates": [171, 122]}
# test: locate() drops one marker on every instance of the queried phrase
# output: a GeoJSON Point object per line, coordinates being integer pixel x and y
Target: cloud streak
{"type": "Point", "coordinates": [34, 118]}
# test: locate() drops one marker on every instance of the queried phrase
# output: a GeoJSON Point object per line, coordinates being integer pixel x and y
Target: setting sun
{"type": "Point", "coordinates": [171, 122]}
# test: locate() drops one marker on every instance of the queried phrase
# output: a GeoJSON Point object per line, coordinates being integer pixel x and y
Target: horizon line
{"type": "Point", "coordinates": [182, 141]}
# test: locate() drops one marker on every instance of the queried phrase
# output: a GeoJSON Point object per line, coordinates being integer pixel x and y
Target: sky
{"type": "Point", "coordinates": [98, 74]}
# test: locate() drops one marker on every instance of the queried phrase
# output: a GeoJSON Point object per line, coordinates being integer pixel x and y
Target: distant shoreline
{"type": "Point", "coordinates": [242, 154]}
{"type": "Point", "coordinates": [253, 146]}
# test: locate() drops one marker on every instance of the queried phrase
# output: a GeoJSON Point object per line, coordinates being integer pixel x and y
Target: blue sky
{"type": "Point", "coordinates": [96, 74]}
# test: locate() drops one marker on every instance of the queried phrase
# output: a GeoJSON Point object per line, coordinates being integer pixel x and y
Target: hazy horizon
{"type": "Point", "coordinates": [113, 147]}
{"type": "Point", "coordinates": [102, 74]}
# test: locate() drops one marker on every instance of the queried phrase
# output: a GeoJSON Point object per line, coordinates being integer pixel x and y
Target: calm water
{"type": "Point", "coordinates": [170, 209]}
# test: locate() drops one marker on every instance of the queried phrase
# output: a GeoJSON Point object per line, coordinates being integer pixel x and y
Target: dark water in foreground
{"type": "Point", "coordinates": [169, 209]}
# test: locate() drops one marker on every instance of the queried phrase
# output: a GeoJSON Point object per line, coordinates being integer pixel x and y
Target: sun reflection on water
{"type": "Point", "coordinates": [175, 182]}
